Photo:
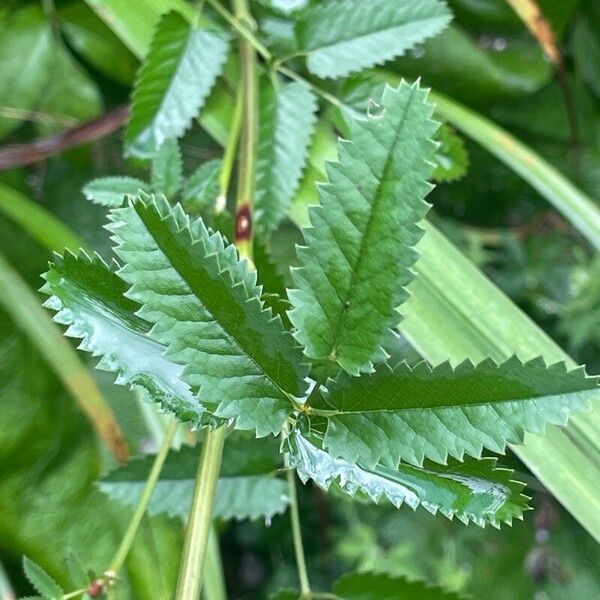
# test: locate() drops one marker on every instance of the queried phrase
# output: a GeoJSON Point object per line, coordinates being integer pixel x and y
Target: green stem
{"type": "Point", "coordinates": [74, 594]}
{"type": "Point", "coordinates": [214, 583]}
{"type": "Point", "coordinates": [297, 535]}
{"type": "Point", "coordinates": [315, 88]}
{"type": "Point", "coordinates": [199, 526]}
{"type": "Point", "coordinates": [248, 137]}
{"type": "Point", "coordinates": [195, 549]}
{"type": "Point", "coordinates": [230, 149]}
{"type": "Point", "coordinates": [236, 21]}
{"type": "Point", "coordinates": [140, 509]}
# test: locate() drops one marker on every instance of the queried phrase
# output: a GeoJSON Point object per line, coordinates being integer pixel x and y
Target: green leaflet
{"type": "Point", "coordinates": [111, 191]}
{"type": "Point", "coordinates": [410, 414]}
{"type": "Point", "coordinates": [41, 581]}
{"type": "Point", "coordinates": [363, 95]}
{"type": "Point", "coordinates": [287, 120]}
{"type": "Point", "coordinates": [360, 249]}
{"type": "Point", "coordinates": [345, 36]}
{"type": "Point", "coordinates": [379, 586]}
{"type": "Point", "coordinates": [135, 24]}
{"type": "Point", "coordinates": [167, 169]}
{"type": "Point", "coordinates": [181, 68]}
{"type": "Point", "coordinates": [272, 282]}
{"type": "Point", "coordinates": [89, 298]}
{"type": "Point", "coordinates": [202, 187]}
{"type": "Point", "coordinates": [473, 491]}
{"type": "Point", "coordinates": [247, 488]}
{"type": "Point", "coordinates": [451, 159]}
{"type": "Point", "coordinates": [205, 306]}
{"type": "Point", "coordinates": [442, 321]}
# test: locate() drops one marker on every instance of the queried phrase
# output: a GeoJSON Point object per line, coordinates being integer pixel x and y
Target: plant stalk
{"type": "Point", "coordinates": [244, 230]}
{"type": "Point", "coordinates": [305, 593]}
{"type": "Point", "coordinates": [199, 526]}
{"type": "Point", "coordinates": [230, 148]}
{"type": "Point", "coordinates": [243, 28]}
{"type": "Point", "coordinates": [200, 521]}
{"type": "Point", "coordinates": [214, 583]}
{"type": "Point", "coordinates": [140, 510]}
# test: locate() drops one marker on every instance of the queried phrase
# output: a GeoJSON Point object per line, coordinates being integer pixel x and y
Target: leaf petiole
{"type": "Point", "coordinates": [239, 26]}
{"type": "Point", "coordinates": [127, 541]}
{"type": "Point", "coordinates": [200, 522]}
{"type": "Point", "coordinates": [297, 533]}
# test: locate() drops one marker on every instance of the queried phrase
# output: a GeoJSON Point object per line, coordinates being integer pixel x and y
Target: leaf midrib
{"type": "Point", "coordinates": [376, 200]}
{"type": "Point", "coordinates": [185, 48]}
{"type": "Point", "coordinates": [546, 398]}
{"type": "Point", "coordinates": [285, 394]}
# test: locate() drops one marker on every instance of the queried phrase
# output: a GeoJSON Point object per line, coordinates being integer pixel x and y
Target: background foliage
{"type": "Point", "coordinates": [49, 459]}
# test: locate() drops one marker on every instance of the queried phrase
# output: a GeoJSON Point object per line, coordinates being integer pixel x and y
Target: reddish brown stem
{"type": "Point", "coordinates": [16, 155]}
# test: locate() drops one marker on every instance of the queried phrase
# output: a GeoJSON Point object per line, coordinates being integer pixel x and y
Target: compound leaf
{"type": "Point", "coordinates": [360, 249]}
{"type": "Point", "coordinates": [111, 191]}
{"type": "Point", "coordinates": [89, 298]}
{"type": "Point", "coordinates": [247, 487]}
{"type": "Point", "coordinates": [205, 306]}
{"type": "Point", "coordinates": [472, 491]}
{"type": "Point", "coordinates": [181, 68]}
{"type": "Point", "coordinates": [409, 414]}
{"type": "Point", "coordinates": [380, 586]}
{"type": "Point", "coordinates": [287, 120]}
{"type": "Point", "coordinates": [345, 36]}
{"type": "Point", "coordinates": [41, 581]}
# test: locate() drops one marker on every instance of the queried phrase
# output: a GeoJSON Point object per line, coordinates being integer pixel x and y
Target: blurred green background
{"type": "Point", "coordinates": [60, 66]}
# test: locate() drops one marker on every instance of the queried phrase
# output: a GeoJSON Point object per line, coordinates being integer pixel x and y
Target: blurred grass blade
{"type": "Point", "coordinates": [571, 202]}
{"type": "Point", "coordinates": [24, 307]}
{"type": "Point", "coordinates": [530, 13]}
{"type": "Point", "coordinates": [40, 224]}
